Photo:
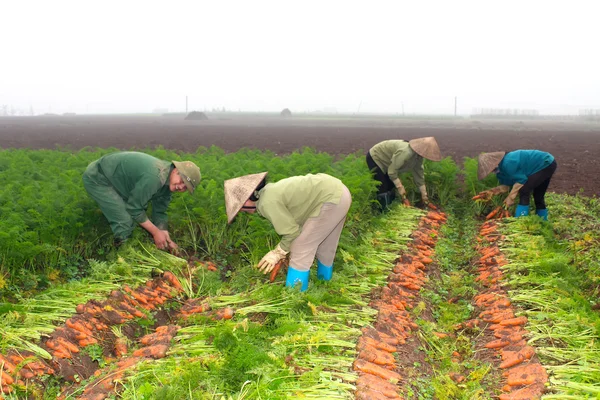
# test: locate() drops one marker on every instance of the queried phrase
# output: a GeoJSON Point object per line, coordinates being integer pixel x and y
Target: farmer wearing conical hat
{"type": "Point", "coordinates": [390, 158]}
{"type": "Point", "coordinates": [526, 171]}
{"type": "Point", "coordinates": [124, 183]}
{"type": "Point", "coordinates": [307, 211]}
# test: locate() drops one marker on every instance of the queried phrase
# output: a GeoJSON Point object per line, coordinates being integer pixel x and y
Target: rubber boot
{"type": "Point", "coordinates": [522, 211]}
{"type": "Point", "coordinates": [324, 272]}
{"type": "Point", "coordinates": [385, 200]}
{"type": "Point", "coordinates": [543, 214]}
{"type": "Point", "coordinates": [294, 277]}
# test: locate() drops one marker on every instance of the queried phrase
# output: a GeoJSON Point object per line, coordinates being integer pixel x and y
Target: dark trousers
{"type": "Point", "coordinates": [386, 183]}
{"type": "Point", "coordinates": [538, 184]}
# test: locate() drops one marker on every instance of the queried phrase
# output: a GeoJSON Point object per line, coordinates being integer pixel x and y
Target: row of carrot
{"type": "Point", "coordinates": [524, 376]}
{"type": "Point", "coordinates": [88, 327]}
{"type": "Point", "coordinates": [375, 363]}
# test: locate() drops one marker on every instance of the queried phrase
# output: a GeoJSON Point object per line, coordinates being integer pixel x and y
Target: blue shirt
{"type": "Point", "coordinates": [517, 166]}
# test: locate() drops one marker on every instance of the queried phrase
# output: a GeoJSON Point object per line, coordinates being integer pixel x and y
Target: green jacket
{"type": "Point", "coordinates": [395, 157]}
{"type": "Point", "coordinates": [140, 179]}
{"type": "Point", "coordinates": [288, 203]}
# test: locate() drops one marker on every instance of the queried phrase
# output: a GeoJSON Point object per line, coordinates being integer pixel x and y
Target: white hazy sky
{"type": "Point", "coordinates": [134, 56]}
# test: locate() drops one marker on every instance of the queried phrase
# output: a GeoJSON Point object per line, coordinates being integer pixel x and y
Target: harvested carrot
{"type": "Point", "coordinates": [224, 313]}
{"type": "Point", "coordinates": [68, 345]}
{"type": "Point", "coordinates": [380, 345]}
{"type": "Point", "coordinates": [494, 213]}
{"type": "Point", "coordinates": [156, 351]}
{"type": "Point", "coordinates": [377, 356]}
{"type": "Point", "coordinates": [276, 270]}
{"type": "Point", "coordinates": [78, 326]}
{"type": "Point", "coordinates": [526, 393]}
{"type": "Point", "coordinates": [440, 335]}
{"type": "Point", "coordinates": [7, 379]}
{"type": "Point", "coordinates": [375, 383]}
{"type": "Point", "coordinates": [514, 321]}
{"type": "Point", "coordinates": [172, 279]}
{"type": "Point", "coordinates": [87, 342]}
{"type": "Point", "coordinates": [120, 347]}
{"type": "Point", "coordinates": [496, 344]}
{"type": "Point", "coordinates": [7, 365]}
{"type": "Point", "coordinates": [370, 368]}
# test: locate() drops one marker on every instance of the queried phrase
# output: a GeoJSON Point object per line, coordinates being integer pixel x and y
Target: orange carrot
{"type": "Point", "coordinates": [275, 271]}
{"type": "Point", "coordinates": [224, 313]}
{"type": "Point", "coordinates": [494, 213]}
{"type": "Point", "coordinates": [514, 321]}
{"type": "Point", "coordinates": [370, 368]}
{"type": "Point", "coordinates": [172, 279]}
{"type": "Point", "coordinates": [120, 347]}
{"type": "Point", "coordinates": [68, 345]}
{"type": "Point", "coordinates": [496, 344]}
{"type": "Point", "coordinates": [156, 351]}
{"type": "Point", "coordinates": [7, 365]}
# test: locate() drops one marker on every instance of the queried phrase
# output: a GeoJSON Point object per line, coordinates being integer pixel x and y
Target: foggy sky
{"type": "Point", "coordinates": [134, 56]}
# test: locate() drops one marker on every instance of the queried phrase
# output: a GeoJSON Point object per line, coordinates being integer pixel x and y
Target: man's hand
{"type": "Point", "coordinates": [267, 263]}
{"type": "Point", "coordinates": [162, 239]}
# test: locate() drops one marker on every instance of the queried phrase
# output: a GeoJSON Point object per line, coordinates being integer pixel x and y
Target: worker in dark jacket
{"type": "Point", "coordinates": [124, 183]}
{"type": "Point", "coordinates": [307, 211]}
{"type": "Point", "coordinates": [390, 158]}
{"type": "Point", "coordinates": [526, 171]}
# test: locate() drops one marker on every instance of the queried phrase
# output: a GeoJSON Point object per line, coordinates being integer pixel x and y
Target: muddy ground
{"type": "Point", "coordinates": [575, 144]}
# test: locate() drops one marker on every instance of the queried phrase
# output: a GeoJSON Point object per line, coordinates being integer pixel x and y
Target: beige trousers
{"type": "Point", "coordinates": [320, 235]}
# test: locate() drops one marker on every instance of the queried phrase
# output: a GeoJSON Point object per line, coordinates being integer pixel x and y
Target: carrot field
{"type": "Point", "coordinates": [425, 303]}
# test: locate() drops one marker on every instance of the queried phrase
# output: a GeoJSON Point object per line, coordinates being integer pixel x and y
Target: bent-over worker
{"type": "Point", "coordinates": [124, 183]}
{"type": "Point", "coordinates": [390, 158]}
{"type": "Point", "coordinates": [307, 211]}
{"type": "Point", "coordinates": [526, 171]}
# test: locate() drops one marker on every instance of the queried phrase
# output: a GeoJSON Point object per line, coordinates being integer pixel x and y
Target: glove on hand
{"type": "Point", "coordinates": [267, 263]}
{"type": "Point", "coordinates": [400, 188]}
{"type": "Point", "coordinates": [424, 196]}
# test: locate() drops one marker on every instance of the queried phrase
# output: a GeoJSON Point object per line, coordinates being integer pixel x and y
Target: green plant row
{"type": "Point", "coordinates": [50, 227]}
{"type": "Point", "coordinates": [551, 281]}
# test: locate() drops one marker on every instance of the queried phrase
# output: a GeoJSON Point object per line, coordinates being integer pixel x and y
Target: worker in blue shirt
{"type": "Point", "coordinates": [526, 171]}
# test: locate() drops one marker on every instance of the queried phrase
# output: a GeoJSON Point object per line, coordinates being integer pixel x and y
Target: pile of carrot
{"type": "Point", "coordinates": [91, 326]}
{"type": "Point", "coordinates": [498, 213]}
{"type": "Point", "coordinates": [525, 376]}
{"type": "Point", "coordinates": [375, 363]}
{"type": "Point", "coordinates": [155, 346]}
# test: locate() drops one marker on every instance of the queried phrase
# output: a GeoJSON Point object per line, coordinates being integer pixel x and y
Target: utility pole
{"type": "Point", "coordinates": [186, 104]}
{"type": "Point", "coordinates": [402, 108]}
{"type": "Point", "coordinates": [455, 103]}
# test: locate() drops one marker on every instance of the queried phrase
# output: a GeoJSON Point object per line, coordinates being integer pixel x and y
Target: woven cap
{"type": "Point", "coordinates": [189, 172]}
{"type": "Point", "coordinates": [487, 163]}
{"type": "Point", "coordinates": [238, 190]}
{"type": "Point", "coordinates": [426, 147]}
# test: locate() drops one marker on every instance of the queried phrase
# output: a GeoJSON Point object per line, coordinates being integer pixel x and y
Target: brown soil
{"type": "Point", "coordinates": [574, 144]}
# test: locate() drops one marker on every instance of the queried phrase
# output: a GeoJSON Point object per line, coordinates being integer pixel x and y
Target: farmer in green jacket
{"type": "Point", "coordinates": [307, 211]}
{"type": "Point", "coordinates": [124, 183]}
{"type": "Point", "coordinates": [390, 158]}
{"type": "Point", "coordinates": [526, 171]}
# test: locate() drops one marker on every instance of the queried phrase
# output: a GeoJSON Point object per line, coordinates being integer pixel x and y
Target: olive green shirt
{"type": "Point", "coordinates": [395, 157]}
{"type": "Point", "coordinates": [140, 179]}
{"type": "Point", "coordinates": [288, 203]}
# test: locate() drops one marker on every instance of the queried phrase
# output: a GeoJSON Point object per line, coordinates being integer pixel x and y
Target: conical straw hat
{"type": "Point", "coordinates": [426, 147]}
{"type": "Point", "coordinates": [487, 163]}
{"type": "Point", "coordinates": [238, 190]}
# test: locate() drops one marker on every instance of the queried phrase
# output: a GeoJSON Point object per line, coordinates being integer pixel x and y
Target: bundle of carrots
{"type": "Point", "coordinates": [525, 376]}
{"type": "Point", "coordinates": [498, 213]}
{"type": "Point", "coordinates": [375, 362]}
